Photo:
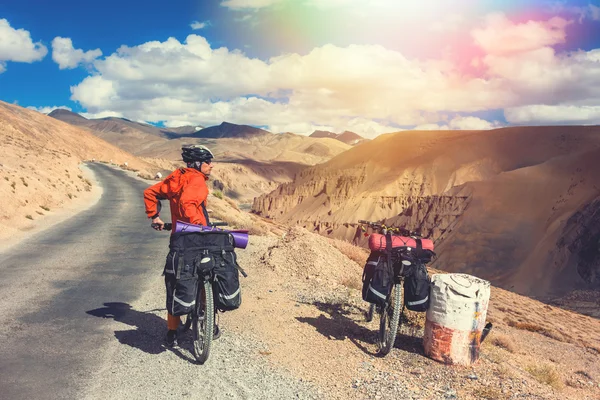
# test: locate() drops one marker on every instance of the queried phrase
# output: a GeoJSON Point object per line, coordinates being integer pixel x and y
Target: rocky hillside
{"type": "Point", "coordinates": [39, 160]}
{"type": "Point", "coordinates": [251, 161]}
{"type": "Point", "coordinates": [350, 138]}
{"type": "Point", "coordinates": [508, 205]}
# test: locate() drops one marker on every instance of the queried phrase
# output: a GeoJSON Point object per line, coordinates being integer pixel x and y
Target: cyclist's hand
{"type": "Point", "coordinates": [158, 224]}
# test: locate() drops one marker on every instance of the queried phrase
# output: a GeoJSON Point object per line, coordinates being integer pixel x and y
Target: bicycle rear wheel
{"type": "Point", "coordinates": [203, 321]}
{"type": "Point", "coordinates": [389, 318]}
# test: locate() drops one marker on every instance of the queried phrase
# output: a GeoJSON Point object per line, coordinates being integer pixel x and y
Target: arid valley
{"type": "Point", "coordinates": [516, 206]}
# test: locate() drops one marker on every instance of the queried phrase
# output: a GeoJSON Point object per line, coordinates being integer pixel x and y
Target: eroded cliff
{"type": "Point", "coordinates": [500, 204]}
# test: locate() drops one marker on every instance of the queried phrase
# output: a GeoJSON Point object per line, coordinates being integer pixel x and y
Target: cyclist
{"type": "Point", "coordinates": [187, 191]}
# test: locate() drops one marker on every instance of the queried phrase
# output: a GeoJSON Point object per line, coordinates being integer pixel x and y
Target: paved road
{"type": "Point", "coordinates": [102, 255]}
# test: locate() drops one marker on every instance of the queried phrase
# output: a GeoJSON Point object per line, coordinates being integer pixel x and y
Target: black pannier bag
{"type": "Point", "coordinates": [409, 262]}
{"type": "Point", "coordinates": [378, 278]}
{"type": "Point", "coordinates": [226, 287]}
{"type": "Point", "coordinates": [183, 297]}
{"type": "Point", "coordinates": [416, 289]}
{"type": "Point", "coordinates": [201, 252]}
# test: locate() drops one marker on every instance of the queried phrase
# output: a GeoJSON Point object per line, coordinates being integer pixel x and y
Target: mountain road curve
{"type": "Point", "coordinates": [49, 281]}
{"type": "Point", "coordinates": [66, 298]}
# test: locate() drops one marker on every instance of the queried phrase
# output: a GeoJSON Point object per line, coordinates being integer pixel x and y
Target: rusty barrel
{"type": "Point", "coordinates": [456, 318]}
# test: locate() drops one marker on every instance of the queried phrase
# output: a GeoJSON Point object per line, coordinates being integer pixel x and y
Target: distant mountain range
{"type": "Point", "coordinates": [347, 137]}
{"type": "Point", "coordinates": [224, 130]}
{"type": "Point", "coordinates": [123, 125]}
{"type": "Point", "coordinates": [252, 161]}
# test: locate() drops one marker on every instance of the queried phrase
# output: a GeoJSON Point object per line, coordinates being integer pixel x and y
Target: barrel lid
{"type": "Point", "coordinates": [463, 284]}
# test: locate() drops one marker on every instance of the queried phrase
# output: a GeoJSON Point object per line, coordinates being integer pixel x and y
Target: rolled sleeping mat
{"type": "Point", "coordinates": [240, 237]}
{"type": "Point", "coordinates": [377, 242]}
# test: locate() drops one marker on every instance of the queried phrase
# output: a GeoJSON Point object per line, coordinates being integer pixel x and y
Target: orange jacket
{"type": "Point", "coordinates": [186, 190]}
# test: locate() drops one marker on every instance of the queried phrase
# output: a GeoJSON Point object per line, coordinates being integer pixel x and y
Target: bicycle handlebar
{"type": "Point", "coordinates": [166, 227]}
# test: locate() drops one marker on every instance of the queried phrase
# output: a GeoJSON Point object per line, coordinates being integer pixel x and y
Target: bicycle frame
{"type": "Point", "coordinates": [390, 312]}
{"type": "Point", "coordinates": [204, 313]}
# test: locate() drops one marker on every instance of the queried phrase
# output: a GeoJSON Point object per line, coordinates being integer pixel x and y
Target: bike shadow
{"type": "Point", "coordinates": [149, 329]}
{"type": "Point", "coordinates": [342, 323]}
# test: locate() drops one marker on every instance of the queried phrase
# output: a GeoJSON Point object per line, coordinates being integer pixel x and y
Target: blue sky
{"type": "Point", "coordinates": [300, 65]}
{"type": "Point", "coordinates": [106, 25]}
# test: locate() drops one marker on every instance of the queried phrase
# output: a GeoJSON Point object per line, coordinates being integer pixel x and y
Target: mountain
{"type": "Point", "coordinates": [228, 130]}
{"type": "Point", "coordinates": [68, 116]}
{"type": "Point", "coordinates": [109, 124]}
{"type": "Point", "coordinates": [40, 159]}
{"type": "Point", "coordinates": [185, 130]}
{"type": "Point", "coordinates": [121, 125]}
{"type": "Point", "coordinates": [517, 206]}
{"type": "Point", "coordinates": [252, 161]}
{"type": "Point", "coordinates": [323, 134]}
{"type": "Point", "coordinates": [350, 138]}
{"type": "Point", "coordinates": [347, 137]}
{"type": "Point", "coordinates": [251, 166]}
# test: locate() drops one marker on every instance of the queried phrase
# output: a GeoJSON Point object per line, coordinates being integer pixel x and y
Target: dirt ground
{"type": "Point", "coordinates": [302, 303]}
{"type": "Point", "coordinates": [314, 326]}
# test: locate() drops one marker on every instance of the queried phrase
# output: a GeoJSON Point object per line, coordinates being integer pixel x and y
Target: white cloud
{"type": "Point", "coordinates": [300, 128]}
{"type": "Point", "coordinates": [103, 114]}
{"type": "Point", "coordinates": [367, 128]}
{"type": "Point", "coordinates": [16, 45]}
{"type": "Point", "coordinates": [460, 123]}
{"type": "Point", "coordinates": [501, 36]}
{"type": "Point", "coordinates": [448, 23]}
{"type": "Point", "coordinates": [367, 89]}
{"type": "Point", "coordinates": [594, 12]}
{"type": "Point", "coordinates": [199, 25]}
{"type": "Point", "coordinates": [590, 11]}
{"type": "Point", "coordinates": [67, 57]}
{"type": "Point", "coordinates": [430, 127]}
{"type": "Point", "coordinates": [190, 81]}
{"type": "Point", "coordinates": [543, 76]}
{"type": "Point", "coordinates": [48, 109]}
{"type": "Point", "coordinates": [560, 114]}
{"type": "Point", "coordinates": [522, 58]}
{"type": "Point", "coordinates": [94, 93]}
{"type": "Point", "coordinates": [472, 123]}
{"type": "Point", "coordinates": [245, 4]}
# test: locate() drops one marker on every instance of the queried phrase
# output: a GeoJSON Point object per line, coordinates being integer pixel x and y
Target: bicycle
{"type": "Point", "coordinates": [203, 315]}
{"type": "Point", "coordinates": [393, 307]}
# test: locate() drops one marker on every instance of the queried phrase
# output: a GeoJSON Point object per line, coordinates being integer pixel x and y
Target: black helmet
{"type": "Point", "coordinates": [196, 152]}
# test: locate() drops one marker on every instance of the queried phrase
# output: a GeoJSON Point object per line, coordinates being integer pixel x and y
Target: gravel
{"type": "Point", "coordinates": [138, 366]}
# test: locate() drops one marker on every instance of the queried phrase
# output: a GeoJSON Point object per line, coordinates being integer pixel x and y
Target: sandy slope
{"type": "Point", "coordinates": [39, 167]}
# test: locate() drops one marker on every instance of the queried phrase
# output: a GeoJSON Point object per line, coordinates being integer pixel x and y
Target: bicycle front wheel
{"type": "Point", "coordinates": [370, 313]}
{"type": "Point", "coordinates": [389, 318]}
{"type": "Point", "coordinates": [203, 322]}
